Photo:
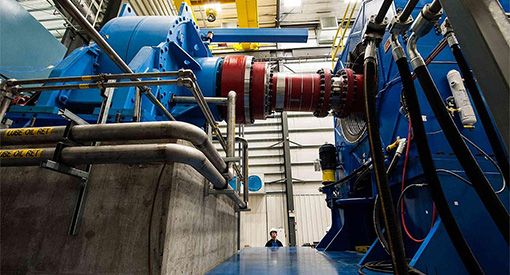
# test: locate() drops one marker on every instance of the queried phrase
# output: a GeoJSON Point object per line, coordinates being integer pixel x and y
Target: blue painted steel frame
{"type": "Point", "coordinates": [435, 253]}
{"type": "Point", "coordinates": [257, 35]}
{"type": "Point", "coordinates": [146, 44]}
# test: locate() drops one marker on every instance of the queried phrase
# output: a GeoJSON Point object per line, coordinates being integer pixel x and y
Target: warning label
{"type": "Point", "coordinates": [27, 153]}
{"type": "Point", "coordinates": [46, 131]}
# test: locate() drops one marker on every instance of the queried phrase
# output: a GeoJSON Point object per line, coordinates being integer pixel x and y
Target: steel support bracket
{"type": "Point", "coordinates": [398, 27]}
{"type": "Point", "coordinates": [64, 169]}
{"type": "Point", "coordinates": [374, 30]}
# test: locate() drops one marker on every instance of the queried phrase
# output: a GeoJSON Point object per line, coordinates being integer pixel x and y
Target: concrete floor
{"type": "Point", "coordinates": [288, 260]}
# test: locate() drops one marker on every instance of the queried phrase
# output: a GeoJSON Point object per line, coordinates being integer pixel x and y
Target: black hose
{"type": "Point", "coordinates": [395, 241]}
{"type": "Point", "coordinates": [383, 10]}
{"type": "Point", "coordinates": [429, 171]}
{"type": "Point", "coordinates": [475, 174]}
{"type": "Point", "coordinates": [408, 9]}
{"type": "Point", "coordinates": [358, 170]}
{"type": "Point", "coordinates": [483, 112]}
{"type": "Point", "coordinates": [435, 7]}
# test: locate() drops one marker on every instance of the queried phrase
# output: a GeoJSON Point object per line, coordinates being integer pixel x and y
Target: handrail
{"type": "Point", "coordinates": [341, 42]}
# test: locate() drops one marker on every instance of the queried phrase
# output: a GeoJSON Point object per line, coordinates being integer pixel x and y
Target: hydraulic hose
{"type": "Point", "coordinates": [408, 9]}
{"type": "Point", "coordinates": [435, 7]}
{"type": "Point", "coordinates": [383, 10]}
{"type": "Point", "coordinates": [396, 244]}
{"type": "Point", "coordinates": [483, 112]}
{"type": "Point", "coordinates": [475, 174]}
{"type": "Point", "coordinates": [429, 170]}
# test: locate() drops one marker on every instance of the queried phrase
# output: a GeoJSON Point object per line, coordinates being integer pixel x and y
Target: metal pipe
{"type": "Point", "coordinates": [99, 85]}
{"type": "Point", "coordinates": [246, 174]}
{"type": "Point", "coordinates": [126, 154]}
{"type": "Point", "coordinates": [231, 127]}
{"type": "Point", "coordinates": [191, 100]}
{"type": "Point", "coordinates": [13, 82]}
{"type": "Point", "coordinates": [6, 102]}
{"type": "Point", "coordinates": [235, 197]}
{"type": "Point", "coordinates": [118, 132]}
{"type": "Point", "coordinates": [137, 108]}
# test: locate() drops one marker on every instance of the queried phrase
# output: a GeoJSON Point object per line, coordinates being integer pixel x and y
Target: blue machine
{"type": "Point", "coordinates": [146, 44]}
{"type": "Point", "coordinates": [352, 203]}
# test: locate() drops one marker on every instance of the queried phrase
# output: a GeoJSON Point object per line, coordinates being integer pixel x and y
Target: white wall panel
{"type": "Point", "coordinates": [312, 217]}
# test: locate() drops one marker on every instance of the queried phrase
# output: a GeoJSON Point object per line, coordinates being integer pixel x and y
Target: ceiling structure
{"type": "Point", "coordinates": [307, 14]}
{"type": "Point", "coordinates": [293, 14]}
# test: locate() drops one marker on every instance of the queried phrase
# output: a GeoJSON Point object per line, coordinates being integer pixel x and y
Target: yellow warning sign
{"type": "Point", "coordinates": [26, 153]}
{"type": "Point", "coordinates": [26, 132]}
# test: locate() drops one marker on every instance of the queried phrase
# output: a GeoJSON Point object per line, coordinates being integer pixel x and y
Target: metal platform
{"type": "Point", "coordinates": [289, 260]}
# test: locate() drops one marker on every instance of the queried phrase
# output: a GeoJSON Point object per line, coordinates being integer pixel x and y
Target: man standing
{"type": "Point", "coordinates": [273, 241]}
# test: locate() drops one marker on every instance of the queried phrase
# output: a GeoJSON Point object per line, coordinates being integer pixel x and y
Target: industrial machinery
{"type": "Point", "coordinates": [452, 223]}
{"type": "Point", "coordinates": [392, 149]}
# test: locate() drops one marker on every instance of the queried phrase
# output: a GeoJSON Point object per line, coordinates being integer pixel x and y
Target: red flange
{"type": "Point", "coordinates": [259, 90]}
{"type": "Point", "coordinates": [233, 79]}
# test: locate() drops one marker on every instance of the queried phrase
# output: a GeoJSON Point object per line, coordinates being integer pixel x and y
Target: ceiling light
{"type": "Point", "coordinates": [292, 3]}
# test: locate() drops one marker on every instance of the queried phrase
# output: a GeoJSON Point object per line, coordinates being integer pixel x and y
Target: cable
{"type": "Point", "coordinates": [490, 159]}
{"type": "Point", "coordinates": [400, 205]}
{"type": "Point", "coordinates": [361, 169]}
{"type": "Point", "coordinates": [149, 264]}
{"type": "Point", "coordinates": [385, 267]}
{"type": "Point", "coordinates": [455, 175]}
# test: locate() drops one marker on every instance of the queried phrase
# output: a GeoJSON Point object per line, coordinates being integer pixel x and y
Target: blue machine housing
{"type": "Point", "coordinates": [146, 44]}
{"type": "Point", "coordinates": [351, 209]}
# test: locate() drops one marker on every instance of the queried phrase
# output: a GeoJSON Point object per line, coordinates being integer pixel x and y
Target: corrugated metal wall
{"type": "Point", "coordinates": [306, 134]}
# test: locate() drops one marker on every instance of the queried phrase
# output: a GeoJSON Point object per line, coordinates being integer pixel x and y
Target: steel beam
{"type": "Point", "coordinates": [483, 31]}
{"type": "Point", "coordinates": [257, 35]}
{"type": "Point", "coordinates": [289, 191]}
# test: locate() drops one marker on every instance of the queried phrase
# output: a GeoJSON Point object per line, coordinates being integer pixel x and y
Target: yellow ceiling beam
{"type": "Point", "coordinates": [197, 3]}
{"type": "Point", "coordinates": [247, 13]}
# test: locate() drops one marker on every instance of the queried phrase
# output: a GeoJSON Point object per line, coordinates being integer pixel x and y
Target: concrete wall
{"type": "Point", "coordinates": [190, 233]}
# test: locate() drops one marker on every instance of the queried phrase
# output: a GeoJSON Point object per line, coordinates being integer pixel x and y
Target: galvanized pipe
{"type": "Point", "coordinates": [98, 85]}
{"type": "Point", "coordinates": [235, 197]}
{"type": "Point", "coordinates": [117, 132]}
{"type": "Point", "coordinates": [222, 101]}
{"type": "Point", "coordinates": [13, 82]}
{"type": "Point", "coordinates": [231, 127]}
{"type": "Point", "coordinates": [246, 174]}
{"type": "Point", "coordinates": [126, 154]}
